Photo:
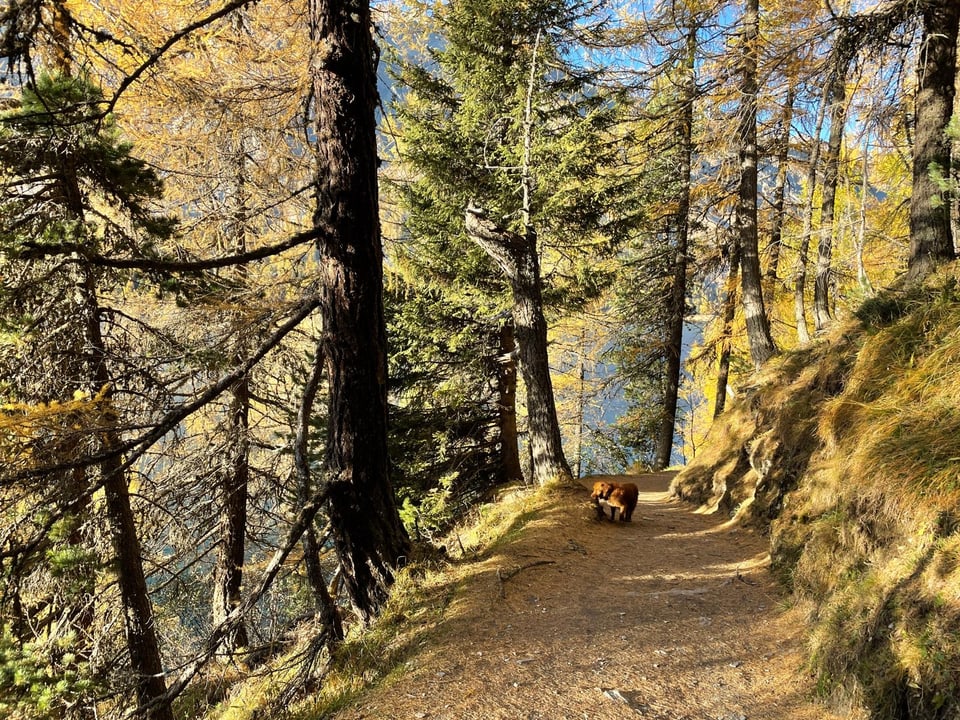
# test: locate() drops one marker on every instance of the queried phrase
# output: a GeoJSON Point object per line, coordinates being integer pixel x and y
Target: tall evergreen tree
{"type": "Point", "coordinates": [762, 347]}
{"type": "Point", "coordinates": [501, 122]}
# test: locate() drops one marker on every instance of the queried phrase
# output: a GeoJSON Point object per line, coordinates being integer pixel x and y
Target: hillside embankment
{"type": "Point", "coordinates": [848, 454]}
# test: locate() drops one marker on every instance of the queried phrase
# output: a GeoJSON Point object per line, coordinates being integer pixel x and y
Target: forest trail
{"type": "Point", "coordinates": [674, 616]}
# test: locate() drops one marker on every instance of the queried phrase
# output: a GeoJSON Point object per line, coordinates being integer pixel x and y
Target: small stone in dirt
{"type": "Point", "coordinates": [736, 664]}
{"type": "Point", "coordinates": [615, 695]}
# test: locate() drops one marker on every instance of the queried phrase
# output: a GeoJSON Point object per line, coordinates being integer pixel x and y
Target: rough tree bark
{"type": "Point", "coordinates": [233, 483]}
{"type": "Point", "coordinates": [780, 196]}
{"type": "Point", "coordinates": [367, 531]}
{"type": "Point", "coordinates": [837, 100]}
{"type": "Point", "coordinates": [324, 602]}
{"type": "Point", "coordinates": [678, 288]}
{"type": "Point", "coordinates": [762, 347]}
{"type": "Point", "coordinates": [516, 255]}
{"type": "Point", "coordinates": [510, 468]}
{"type": "Point", "coordinates": [234, 478]}
{"type": "Point", "coordinates": [729, 312]}
{"type": "Point", "coordinates": [931, 234]}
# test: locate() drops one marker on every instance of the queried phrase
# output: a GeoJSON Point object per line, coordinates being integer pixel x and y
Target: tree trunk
{"type": "Point", "coordinates": [729, 312]}
{"type": "Point", "coordinates": [838, 115]}
{"type": "Point", "coordinates": [142, 644]}
{"type": "Point", "coordinates": [800, 270]}
{"type": "Point", "coordinates": [678, 290]}
{"type": "Point", "coordinates": [762, 347]}
{"type": "Point", "coordinates": [367, 531]}
{"type": "Point", "coordinates": [510, 469]}
{"type": "Point", "coordinates": [235, 476]}
{"type": "Point", "coordinates": [517, 257]}
{"type": "Point", "coordinates": [234, 480]}
{"type": "Point", "coordinates": [866, 287]}
{"type": "Point", "coordinates": [779, 197]}
{"type": "Point", "coordinates": [931, 236]}
{"type": "Point", "coordinates": [323, 601]}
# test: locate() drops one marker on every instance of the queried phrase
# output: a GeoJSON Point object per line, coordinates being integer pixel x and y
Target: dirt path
{"type": "Point", "coordinates": [673, 616]}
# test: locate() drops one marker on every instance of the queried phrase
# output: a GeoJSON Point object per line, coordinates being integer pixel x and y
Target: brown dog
{"type": "Point", "coordinates": [622, 496]}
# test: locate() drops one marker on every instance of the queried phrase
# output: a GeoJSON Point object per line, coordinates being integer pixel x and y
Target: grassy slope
{"type": "Point", "coordinates": [849, 453]}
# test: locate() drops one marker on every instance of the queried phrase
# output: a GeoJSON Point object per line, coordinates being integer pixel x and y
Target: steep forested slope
{"type": "Point", "coordinates": [848, 453]}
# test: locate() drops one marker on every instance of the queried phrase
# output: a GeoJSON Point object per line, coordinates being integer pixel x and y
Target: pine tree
{"type": "Point", "coordinates": [370, 539]}
{"type": "Point", "coordinates": [501, 123]}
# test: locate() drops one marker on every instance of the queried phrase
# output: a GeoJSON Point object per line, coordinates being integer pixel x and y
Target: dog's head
{"type": "Point", "coordinates": [601, 490]}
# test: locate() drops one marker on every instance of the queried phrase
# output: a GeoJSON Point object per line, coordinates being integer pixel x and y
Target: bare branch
{"type": "Point", "coordinates": [303, 520]}
{"type": "Point", "coordinates": [35, 250]}
{"type": "Point", "coordinates": [136, 447]}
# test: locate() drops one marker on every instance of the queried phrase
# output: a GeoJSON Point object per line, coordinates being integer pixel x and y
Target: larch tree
{"type": "Point", "coordinates": [221, 123]}
{"type": "Point", "coordinates": [79, 190]}
{"type": "Point", "coordinates": [836, 99]}
{"type": "Point", "coordinates": [678, 288]}
{"type": "Point", "coordinates": [653, 276]}
{"type": "Point", "coordinates": [762, 346]}
{"type": "Point", "coordinates": [779, 202]}
{"type": "Point", "coordinates": [366, 527]}
{"type": "Point", "coordinates": [800, 268]}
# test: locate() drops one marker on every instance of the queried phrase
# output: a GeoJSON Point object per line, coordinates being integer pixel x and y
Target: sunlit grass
{"type": "Point", "coordinates": [868, 532]}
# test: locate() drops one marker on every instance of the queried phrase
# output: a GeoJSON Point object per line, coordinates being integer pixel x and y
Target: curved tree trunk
{"type": "Point", "coordinates": [517, 257]}
{"type": "Point", "coordinates": [367, 531]}
{"type": "Point", "coordinates": [931, 235]}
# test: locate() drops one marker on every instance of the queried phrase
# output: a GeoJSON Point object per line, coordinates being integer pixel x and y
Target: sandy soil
{"type": "Point", "coordinates": [673, 616]}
